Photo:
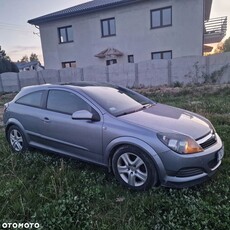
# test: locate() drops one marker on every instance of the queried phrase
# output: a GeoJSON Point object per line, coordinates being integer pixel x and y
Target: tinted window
{"type": "Point", "coordinates": [33, 99]}
{"type": "Point", "coordinates": [65, 102]}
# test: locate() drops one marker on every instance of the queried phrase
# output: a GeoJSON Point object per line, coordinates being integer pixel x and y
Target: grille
{"type": "Point", "coordinates": [186, 172]}
{"type": "Point", "coordinates": [207, 141]}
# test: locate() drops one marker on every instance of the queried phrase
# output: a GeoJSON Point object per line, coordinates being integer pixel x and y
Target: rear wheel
{"type": "Point", "coordinates": [17, 139]}
{"type": "Point", "coordinates": [133, 168]}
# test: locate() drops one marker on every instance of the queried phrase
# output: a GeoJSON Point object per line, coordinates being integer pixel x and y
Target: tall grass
{"type": "Point", "coordinates": [65, 194]}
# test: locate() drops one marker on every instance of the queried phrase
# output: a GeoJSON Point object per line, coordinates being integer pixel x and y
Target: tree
{"type": "Point", "coordinates": [3, 54]}
{"type": "Point", "coordinates": [25, 59]}
{"type": "Point", "coordinates": [6, 65]}
{"type": "Point", "coordinates": [223, 47]}
{"type": "Point", "coordinates": [219, 48]}
{"type": "Point", "coordinates": [226, 45]}
{"type": "Point", "coordinates": [34, 57]}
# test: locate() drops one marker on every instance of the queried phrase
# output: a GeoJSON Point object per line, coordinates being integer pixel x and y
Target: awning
{"type": "Point", "coordinates": [108, 53]}
{"type": "Point", "coordinates": [208, 48]}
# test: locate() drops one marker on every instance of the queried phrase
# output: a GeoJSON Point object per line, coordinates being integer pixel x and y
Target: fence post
{"type": "Point", "coordinates": [19, 83]}
{"type": "Point", "coordinates": [136, 76]}
{"type": "Point", "coordinates": [207, 65]}
{"type": "Point", "coordinates": [107, 73]}
{"type": "Point", "coordinates": [169, 72]}
{"type": "Point", "coordinates": [1, 85]}
{"type": "Point", "coordinates": [82, 74]}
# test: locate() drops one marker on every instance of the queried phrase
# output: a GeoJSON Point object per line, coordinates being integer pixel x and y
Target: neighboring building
{"type": "Point", "coordinates": [121, 31]}
{"type": "Point", "coordinates": [27, 66]}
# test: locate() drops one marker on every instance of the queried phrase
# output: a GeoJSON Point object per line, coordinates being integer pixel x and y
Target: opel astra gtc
{"type": "Point", "coordinates": [143, 142]}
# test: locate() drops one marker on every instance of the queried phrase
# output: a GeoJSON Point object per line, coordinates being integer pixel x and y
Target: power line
{"type": "Point", "coordinates": [15, 27]}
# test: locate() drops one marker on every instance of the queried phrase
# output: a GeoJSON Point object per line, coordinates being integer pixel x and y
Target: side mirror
{"type": "Point", "coordinates": [82, 115]}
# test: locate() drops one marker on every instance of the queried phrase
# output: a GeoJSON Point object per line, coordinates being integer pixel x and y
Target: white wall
{"type": "Point", "coordinates": [133, 34]}
{"type": "Point", "coordinates": [185, 70]}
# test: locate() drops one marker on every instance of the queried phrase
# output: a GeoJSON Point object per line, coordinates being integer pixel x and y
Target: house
{"type": "Point", "coordinates": [119, 31]}
{"type": "Point", "coordinates": [27, 66]}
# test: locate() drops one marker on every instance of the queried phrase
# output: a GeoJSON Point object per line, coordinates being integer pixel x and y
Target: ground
{"type": "Point", "coordinates": [59, 193]}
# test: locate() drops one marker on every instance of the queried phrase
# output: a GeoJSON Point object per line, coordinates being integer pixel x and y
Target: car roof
{"type": "Point", "coordinates": [77, 86]}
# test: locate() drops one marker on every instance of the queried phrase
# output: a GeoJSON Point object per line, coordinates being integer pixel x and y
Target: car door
{"type": "Point", "coordinates": [28, 111]}
{"type": "Point", "coordinates": [80, 138]}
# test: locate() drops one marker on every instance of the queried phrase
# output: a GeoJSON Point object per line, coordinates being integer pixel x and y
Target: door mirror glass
{"type": "Point", "coordinates": [82, 115]}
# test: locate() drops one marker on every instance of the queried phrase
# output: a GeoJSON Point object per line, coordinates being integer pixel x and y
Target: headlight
{"type": "Point", "coordinates": [180, 143]}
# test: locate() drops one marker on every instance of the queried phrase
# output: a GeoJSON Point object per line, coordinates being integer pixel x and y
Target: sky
{"type": "Point", "coordinates": [18, 38]}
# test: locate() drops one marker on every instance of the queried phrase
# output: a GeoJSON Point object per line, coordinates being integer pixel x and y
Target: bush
{"type": "Point", "coordinates": [7, 66]}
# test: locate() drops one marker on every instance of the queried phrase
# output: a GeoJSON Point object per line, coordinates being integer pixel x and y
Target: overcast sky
{"type": "Point", "coordinates": [18, 38]}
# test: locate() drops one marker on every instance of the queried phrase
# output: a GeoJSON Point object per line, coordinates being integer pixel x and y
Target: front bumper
{"type": "Point", "coordinates": [188, 170]}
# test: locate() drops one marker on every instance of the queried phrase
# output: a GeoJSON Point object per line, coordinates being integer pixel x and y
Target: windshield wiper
{"type": "Point", "coordinates": [147, 105]}
{"type": "Point", "coordinates": [144, 106]}
{"type": "Point", "coordinates": [125, 113]}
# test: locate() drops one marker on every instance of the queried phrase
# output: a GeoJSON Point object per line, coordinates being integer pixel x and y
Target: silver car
{"type": "Point", "coordinates": [142, 142]}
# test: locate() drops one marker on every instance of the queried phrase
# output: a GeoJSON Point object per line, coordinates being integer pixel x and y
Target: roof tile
{"type": "Point", "coordinates": [87, 7]}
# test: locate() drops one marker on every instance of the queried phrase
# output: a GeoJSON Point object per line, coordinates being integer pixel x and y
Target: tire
{"type": "Point", "coordinates": [134, 169]}
{"type": "Point", "coordinates": [16, 139]}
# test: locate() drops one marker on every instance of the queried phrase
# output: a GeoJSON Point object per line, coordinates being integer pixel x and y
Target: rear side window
{"type": "Point", "coordinates": [65, 102]}
{"type": "Point", "coordinates": [32, 99]}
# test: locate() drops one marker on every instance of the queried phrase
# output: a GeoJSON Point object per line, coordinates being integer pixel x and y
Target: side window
{"type": "Point", "coordinates": [69, 64]}
{"type": "Point", "coordinates": [65, 34]}
{"type": "Point", "coordinates": [108, 27]}
{"type": "Point", "coordinates": [162, 55]}
{"type": "Point", "coordinates": [32, 99]}
{"type": "Point", "coordinates": [65, 102]}
{"type": "Point", "coordinates": [161, 17]}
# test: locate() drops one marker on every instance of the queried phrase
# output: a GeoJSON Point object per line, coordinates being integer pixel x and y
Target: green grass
{"type": "Point", "coordinates": [66, 194]}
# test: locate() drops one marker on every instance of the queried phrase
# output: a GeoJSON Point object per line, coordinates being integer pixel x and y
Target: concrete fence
{"type": "Point", "coordinates": [184, 70]}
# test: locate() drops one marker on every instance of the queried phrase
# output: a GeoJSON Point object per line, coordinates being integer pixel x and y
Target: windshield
{"type": "Point", "coordinates": [116, 100]}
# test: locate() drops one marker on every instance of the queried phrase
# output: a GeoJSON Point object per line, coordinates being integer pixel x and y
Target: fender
{"type": "Point", "coordinates": [13, 121]}
{"type": "Point", "coordinates": [109, 150]}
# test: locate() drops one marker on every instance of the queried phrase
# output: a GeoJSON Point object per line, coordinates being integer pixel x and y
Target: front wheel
{"type": "Point", "coordinates": [17, 139]}
{"type": "Point", "coordinates": [134, 168]}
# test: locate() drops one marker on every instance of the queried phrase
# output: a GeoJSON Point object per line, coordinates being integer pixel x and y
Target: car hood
{"type": "Point", "coordinates": [163, 118]}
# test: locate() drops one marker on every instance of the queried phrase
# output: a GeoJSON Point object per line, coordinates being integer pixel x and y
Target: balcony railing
{"type": "Point", "coordinates": [215, 29]}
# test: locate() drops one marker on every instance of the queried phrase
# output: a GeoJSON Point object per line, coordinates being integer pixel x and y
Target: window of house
{"type": "Point", "coordinates": [111, 61]}
{"type": "Point", "coordinates": [65, 34]}
{"type": "Point", "coordinates": [161, 17]}
{"type": "Point", "coordinates": [162, 55]}
{"type": "Point", "coordinates": [65, 102]}
{"type": "Point", "coordinates": [69, 64]}
{"type": "Point", "coordinates": [130, 58]}
{"type": "Point", "coordinates": [33, 99]}
{"type": "Point", "coordinates": [108, 27]}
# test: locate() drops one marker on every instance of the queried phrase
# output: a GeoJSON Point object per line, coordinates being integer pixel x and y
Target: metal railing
{"type": "Point", "coordinates": [216, 26]}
